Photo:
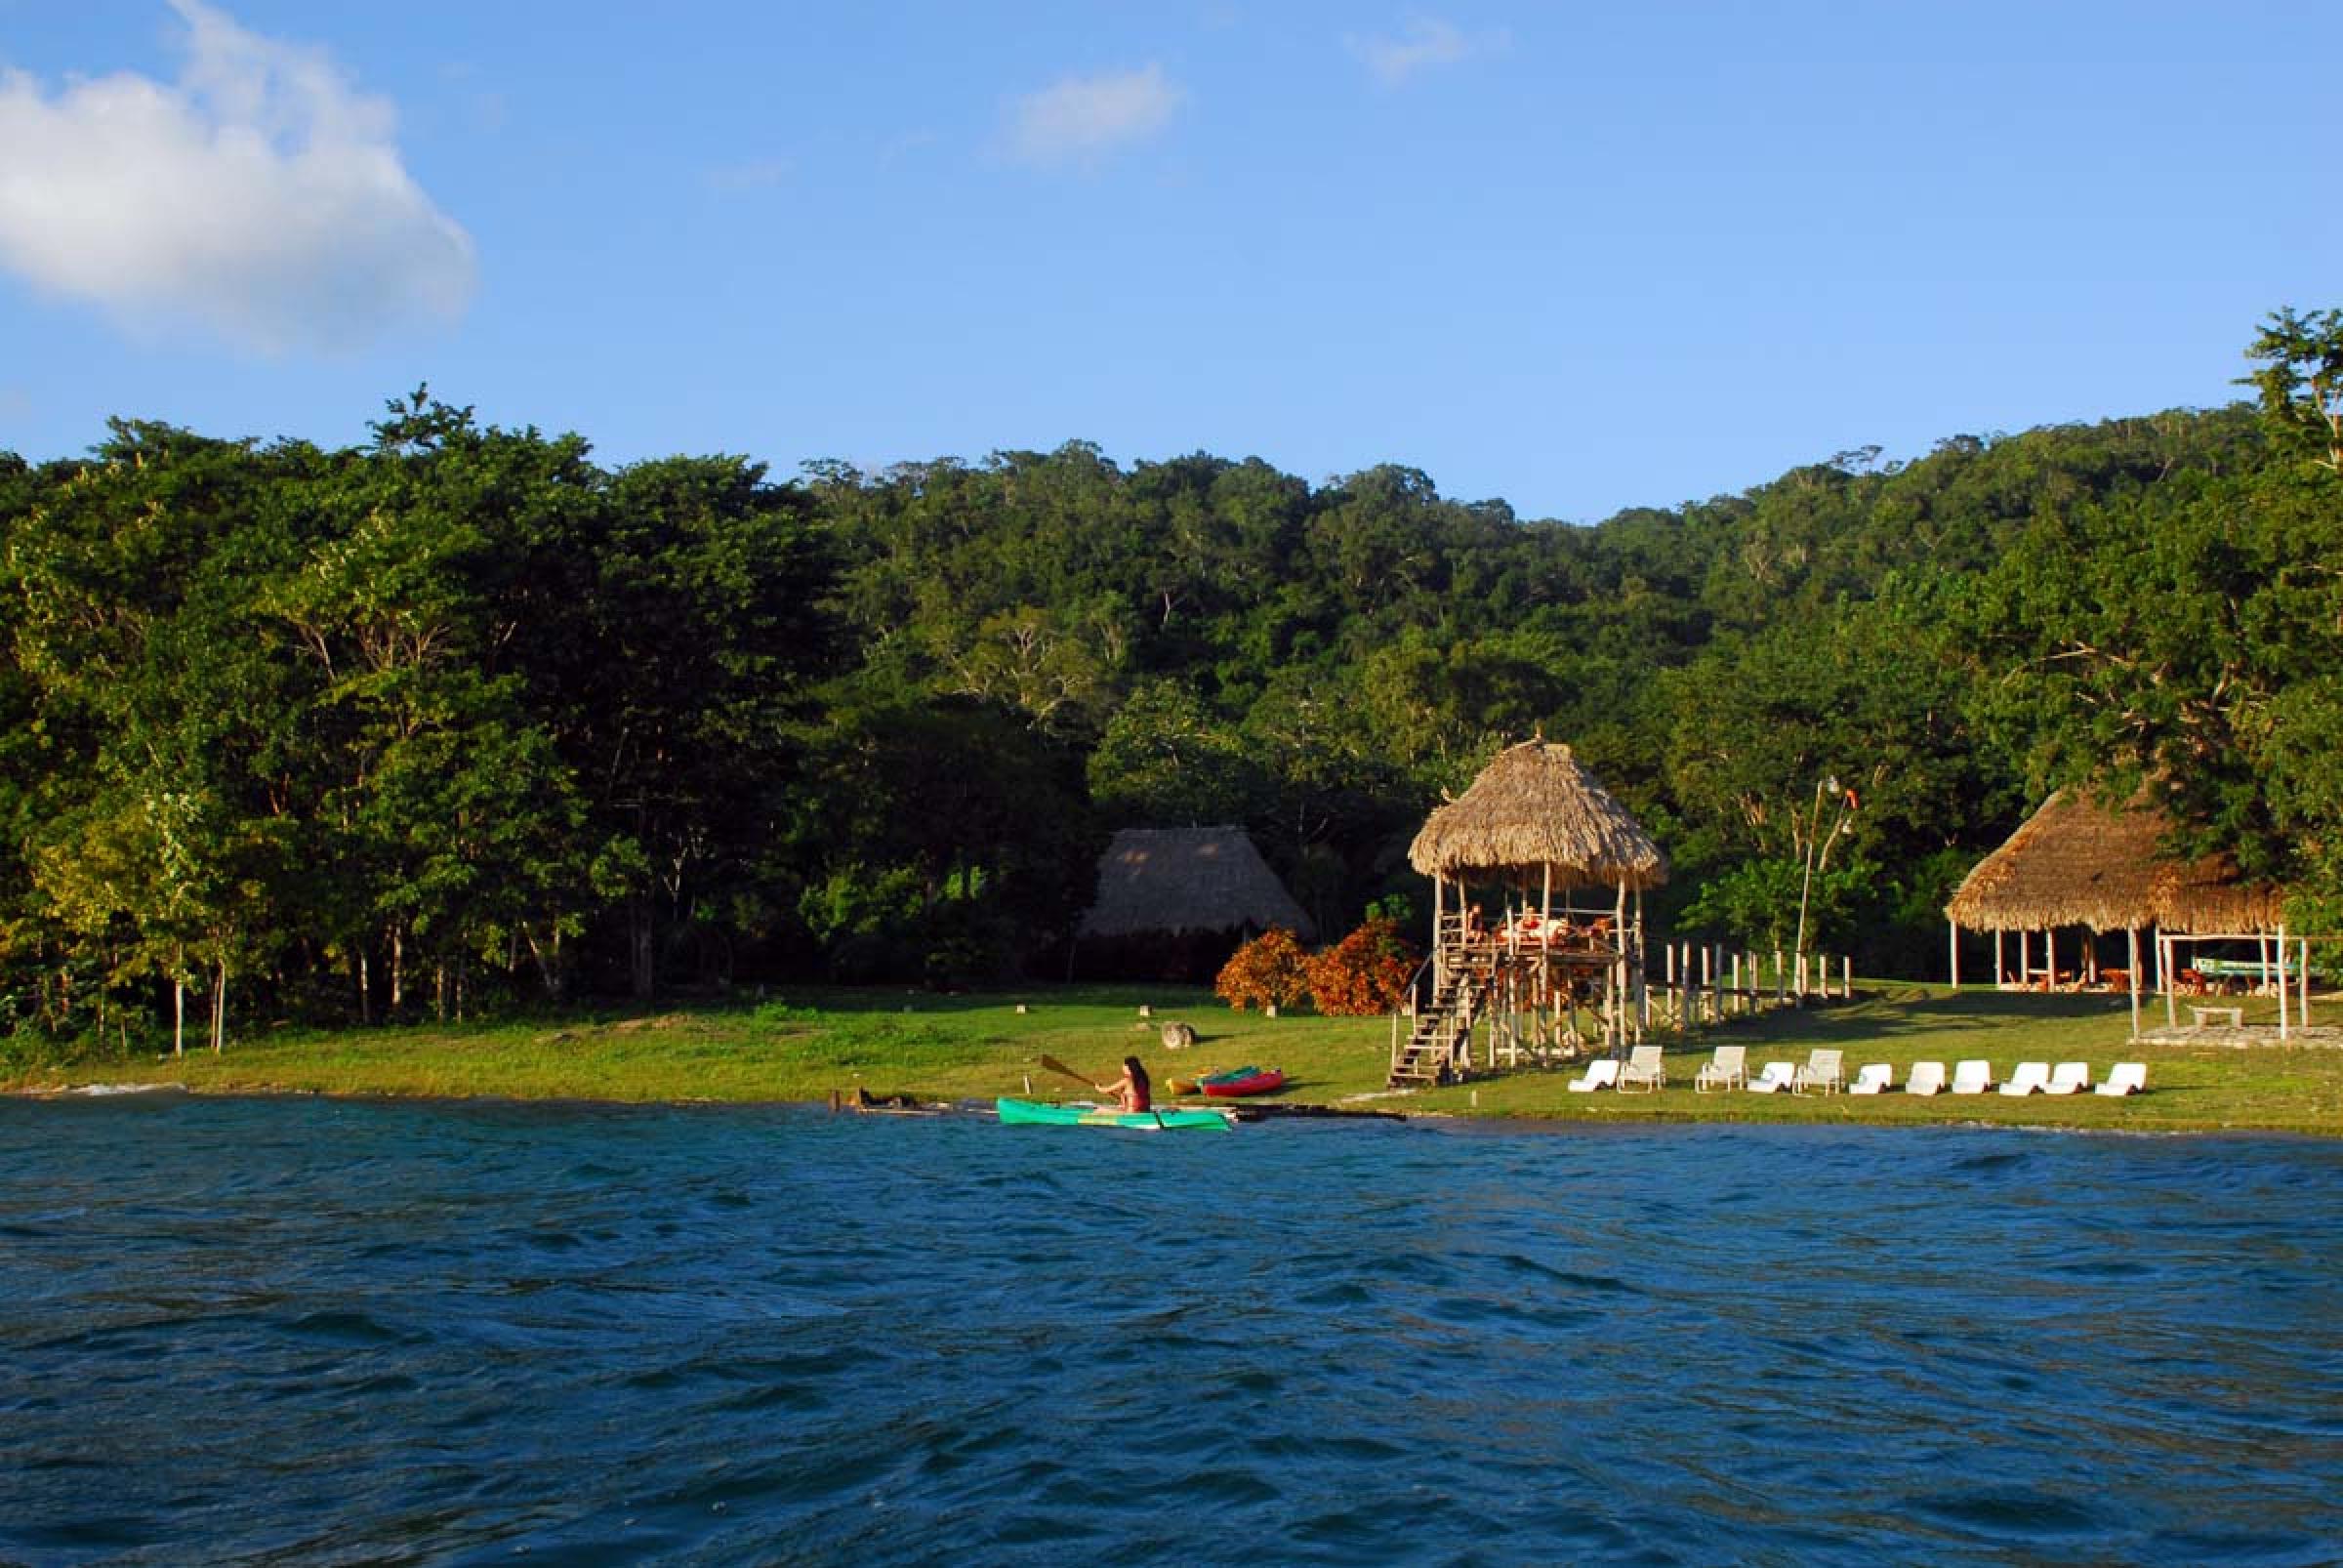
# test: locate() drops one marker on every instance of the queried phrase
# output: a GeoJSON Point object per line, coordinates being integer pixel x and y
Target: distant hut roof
{"type": "Point", "coordinates": [2080, 861]}
{"type": "Point", "coordinates": [1535, 805]}
{"type": "Point", "coordinates": [1176, 879]}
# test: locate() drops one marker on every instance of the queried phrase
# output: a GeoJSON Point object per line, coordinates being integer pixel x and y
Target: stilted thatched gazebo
{"type": "Point", "coordinates": [1534, 824]}
{"type": "Point", "coordinates": [2081, 861]}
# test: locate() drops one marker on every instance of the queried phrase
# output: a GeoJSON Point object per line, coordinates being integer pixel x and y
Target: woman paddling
{"type": "Point", "coordinates": [1130, 1090]}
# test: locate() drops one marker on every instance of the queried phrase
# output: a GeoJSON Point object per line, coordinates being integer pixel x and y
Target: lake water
{"type": "Point", "coordinates": [303, 1330]}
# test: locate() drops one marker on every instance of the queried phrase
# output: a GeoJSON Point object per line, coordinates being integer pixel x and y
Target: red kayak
{"type": "Point", "coordinates": [1242, 1081]}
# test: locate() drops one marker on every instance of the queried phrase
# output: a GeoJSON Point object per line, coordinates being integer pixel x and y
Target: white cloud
{"type": "Point", "coordinates": [261, 195]}
{"type": "Point", "coordinates": [1426, 42]}
{"type": "Point", "coordinates": [1086, 119]}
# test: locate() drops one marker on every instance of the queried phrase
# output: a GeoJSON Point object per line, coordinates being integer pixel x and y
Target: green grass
{"type": "Point", "coordinates": [947, 1048]}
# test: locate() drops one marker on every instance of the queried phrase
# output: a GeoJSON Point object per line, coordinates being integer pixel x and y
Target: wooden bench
{"type": "Point", "coordinates": [2235, 1015]}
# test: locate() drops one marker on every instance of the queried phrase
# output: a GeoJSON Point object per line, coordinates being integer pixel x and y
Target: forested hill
{"type": "Point", "coordinates": [462, 716]}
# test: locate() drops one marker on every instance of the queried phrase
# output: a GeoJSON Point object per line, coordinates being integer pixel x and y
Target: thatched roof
{"type": "Point", "coordinates": [1176, 879]}
{"type": "Point", "coordinates": [1534, 806]}
{"type": "Point", "coordinates": [2079, 861]}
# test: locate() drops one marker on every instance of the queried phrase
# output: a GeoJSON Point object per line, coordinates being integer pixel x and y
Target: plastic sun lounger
{"type": "Point", "coordinates": [1644, 1070]}
{"type": "Point", "coordinates": [2027, 1078]}
{"type": "Point", "coordinates": [1602, 1074]}
{"type": "Point", "coordinates": [1776, 1075]}
{"type": "Point", "coordinates": [2069, 1078]}
{"type": "Point", "coordinates": [1927, 1078]}
{"type": "Point", "coordinates": [1822, 1071]}
{"type": "Point", "coordinates": [1972, 1077]}
{"type": "Point", "coordinates": [2125, 1078]}
{"type": "Point", "coordinates": [1874, 1078]}
{"type": "Point", "coordinates": [1727, 1069]}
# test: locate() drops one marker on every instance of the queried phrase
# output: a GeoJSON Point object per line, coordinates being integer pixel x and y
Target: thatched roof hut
{"type": "Point", "coordinates": [2079, 861]}
{"type": "Point", "coordinates": [1534, 805]}
{"type": "Point", "coordinates": [1181, 880]}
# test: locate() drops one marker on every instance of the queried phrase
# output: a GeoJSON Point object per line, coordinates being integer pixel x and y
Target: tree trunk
{"type": "Point", "coordinates": [399, 970]}
{"type": "Point", "coordinates": [219, 1010]}
{"type": "Point", "coordinates": [638, 948]}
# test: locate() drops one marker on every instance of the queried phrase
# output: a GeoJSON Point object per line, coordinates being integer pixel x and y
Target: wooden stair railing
{"type": "Point", "coordinates": [1429, 1054]}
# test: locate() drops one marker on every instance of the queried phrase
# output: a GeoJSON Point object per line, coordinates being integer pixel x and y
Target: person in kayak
{"type": "Point", "coordinates": [1131, 1091]}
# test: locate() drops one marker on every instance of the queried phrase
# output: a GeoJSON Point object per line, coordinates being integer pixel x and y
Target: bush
{"type": "Point", "coordinates": [1365, 974]}
{"type": "Point", "coordinates": [1270, 970]}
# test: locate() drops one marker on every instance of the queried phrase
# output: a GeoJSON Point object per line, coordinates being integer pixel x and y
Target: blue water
{"type": "Point", "coordinates": [308, 1332]}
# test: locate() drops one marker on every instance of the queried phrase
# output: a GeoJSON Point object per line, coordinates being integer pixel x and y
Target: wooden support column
{"type": "Point", "coordinates": [2281, 983]}
{"type": "Point", "coordinates": [2134, 935]}
{"type": "Point", "coordinates": [1953, 948]}
{"type": "Point", "coordinates": [2165, 966]}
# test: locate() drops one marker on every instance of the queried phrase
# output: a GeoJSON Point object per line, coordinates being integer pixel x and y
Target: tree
{"type": "Point", "coordinates": [2301, 382]}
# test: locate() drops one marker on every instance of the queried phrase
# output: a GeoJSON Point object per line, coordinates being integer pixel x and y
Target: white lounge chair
{"type": "Point", "coordinates": [2069, 1078]}
{"type": "Point", "coordinates": [1600, 1074]}
{"type": "Point", "coordinates": [1873, 1078]}
{"type": "Point", "coordinates": [1972, 1077]}
{"type": "Point", "coordinates": [1927, 1078]}
{"type": "Point", "coordinates": [1776, 1075]}
{"type": "Point", "coordinates": [2125, 1078]}
{"type": "Point", "coordinates": [1645, 1070]}
{"type": "Point", "coordinates": [1729, 1068]}
{"type": "Point", "coordinates": [2027, 1078]}
{"type": "Point", "coordinates": [1822, 1071]}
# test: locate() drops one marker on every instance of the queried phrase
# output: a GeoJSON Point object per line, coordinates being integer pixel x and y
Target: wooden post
{"type": "Point", "coordinates": [1952, 947]}
{"type": "Point", "coordinates": [2001, 965]}
{"type": "Point", "coordinates": [2281, 983]}
{"type": "Point", "coordinates": [1439, 944]}
{"type": "Point", "coordinates": [2164, 966]}
{"type": "Point", "coordinates": [1619, 964]}
{"type": "Point", "coordinates": [2134, 934]}
{"type": "Point", "coordinates": [1846, 976]}
{"type": "Point", "coordinates": [1642, 979]}
{"type": "Point", "coordinates": [2306, 983]}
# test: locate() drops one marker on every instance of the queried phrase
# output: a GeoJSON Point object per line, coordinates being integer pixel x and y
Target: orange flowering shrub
{"type": "Point", "coordinates": [1271, 970]}
{"type": "Point", "coordinates": [1365, 972]}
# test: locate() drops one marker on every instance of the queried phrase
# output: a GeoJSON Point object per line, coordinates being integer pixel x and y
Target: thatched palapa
{"type": "Point", "coordinates": [1181, 880]}
{"type": "Point", "coordinates": [1534, 805]}
{"type": "Point", "coordinates": [2079, 861]}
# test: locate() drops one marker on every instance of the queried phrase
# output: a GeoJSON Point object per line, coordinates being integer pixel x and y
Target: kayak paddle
{"type": "Point", "coordinates": [1059, 1067]}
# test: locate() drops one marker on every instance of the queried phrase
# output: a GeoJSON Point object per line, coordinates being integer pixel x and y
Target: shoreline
{"type": "Point", "coordinates": [1469, 1120]}
{"type": "Point", "coordinates": [944, 1050]}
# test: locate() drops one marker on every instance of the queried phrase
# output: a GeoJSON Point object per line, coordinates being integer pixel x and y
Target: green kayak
{"type": "Point", "coordinates": [1032, 1112]}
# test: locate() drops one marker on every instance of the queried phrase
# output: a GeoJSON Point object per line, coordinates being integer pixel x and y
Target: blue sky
{"type": "Point", "coordinates": [1574, 257]}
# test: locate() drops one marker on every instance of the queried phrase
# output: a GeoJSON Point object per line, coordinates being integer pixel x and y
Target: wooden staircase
{"type": "Point", "coordinates": [1432, 1049]}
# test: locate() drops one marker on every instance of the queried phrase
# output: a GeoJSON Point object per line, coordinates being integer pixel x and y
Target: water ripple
{"type": "Point", "coordinates": [312, 1331]}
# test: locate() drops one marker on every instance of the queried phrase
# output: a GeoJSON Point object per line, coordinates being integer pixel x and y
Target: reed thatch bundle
{"type": "Point", "coordinates": [2080, 861]}
{"type": "Point", "coordinates": [1180, 880]}
{"type": "Point", "coordinates": [1534, 805]}
{"type": "Point", "coordinates": [2208, 895]}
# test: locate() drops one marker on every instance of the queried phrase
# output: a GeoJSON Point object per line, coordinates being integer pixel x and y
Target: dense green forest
{"type": "Point", "coordinates": [460, 718]}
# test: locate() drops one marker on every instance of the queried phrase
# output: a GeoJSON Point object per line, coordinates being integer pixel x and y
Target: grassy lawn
{"type": "Point", "coordinates": [976, 1047]}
